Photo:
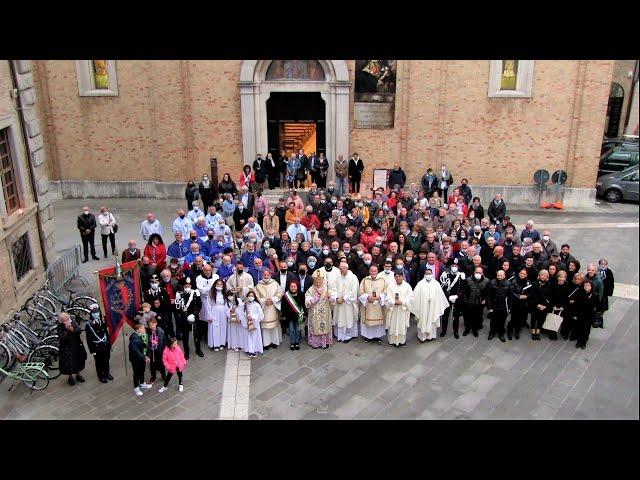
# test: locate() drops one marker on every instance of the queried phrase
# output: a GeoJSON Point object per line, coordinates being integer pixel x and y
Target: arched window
{"type": "Point", "coordinates": [295, 70]}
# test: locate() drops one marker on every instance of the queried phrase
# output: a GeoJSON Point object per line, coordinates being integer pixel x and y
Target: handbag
{"type": "Point", "coordinates": [598, 320]}
{"type": "Point", "coordinates": [115, 228]}
{"type": "Point", "coordinates": [553, 320]}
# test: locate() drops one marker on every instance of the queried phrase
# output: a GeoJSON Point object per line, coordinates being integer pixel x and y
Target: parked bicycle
{"type": "Point", "coordinates": [14, 346]}
{"type": "Point", "coordinates": [32, 374]}
{"type": "Point", "coordinates": [47, 301]}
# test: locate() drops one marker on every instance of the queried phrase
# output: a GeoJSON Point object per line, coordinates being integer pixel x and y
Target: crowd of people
{"type": "Point", "coordinates": [332, 264]}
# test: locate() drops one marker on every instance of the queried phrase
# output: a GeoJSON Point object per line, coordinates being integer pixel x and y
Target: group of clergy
{"type": "Point", "coordinates": [335, 304]}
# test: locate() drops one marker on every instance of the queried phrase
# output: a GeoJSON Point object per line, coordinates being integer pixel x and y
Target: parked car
{"type": "Point", "coordinates": [614, 187]}
{"type": "Point", "coordinates": [626, 142]}
{"type": "Point", "coordinates": [616, 160]}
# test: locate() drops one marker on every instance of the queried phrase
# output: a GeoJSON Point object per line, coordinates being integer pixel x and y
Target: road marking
{"type": "Point", "coordinates": [623, 290]}
{"type": "Point", "coordinates": [587, 225]}
{"type": "Point", "coordinates": [235, 389]}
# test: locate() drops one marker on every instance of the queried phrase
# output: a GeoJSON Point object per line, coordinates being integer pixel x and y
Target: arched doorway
{"type": "Point", "coordinates": [259, 79]}
{"type": "Point", "coordinates": [614, 110]}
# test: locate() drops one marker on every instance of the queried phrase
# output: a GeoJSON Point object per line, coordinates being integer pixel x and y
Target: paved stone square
{"type": "Point", "coordinates": [469, 378]}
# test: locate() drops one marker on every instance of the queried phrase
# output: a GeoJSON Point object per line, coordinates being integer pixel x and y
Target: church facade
{"type": "Point", "coordinates": [124, 128]}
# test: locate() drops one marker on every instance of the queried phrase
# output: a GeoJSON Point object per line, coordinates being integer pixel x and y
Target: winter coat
{"type": "Point", "coordinates": [86, 222]}
{"type": "Point", "coordinates": [173, 358]}
{"type": "Point", "coordinates": [608, 281]}
{"type": "Point", "coordinates": [499, 295]}
{"type": "Point", "coordinates": [475, 290]}
{"type": "Point", "coordinates": [497, 211]}
{"type": "Point", "coordinates": [397, 177]}
{"type": "Point", "coordinates": [192, 193]}
{"type": "Point", "coordinates": [521, 287]}
{"type": "Point", "coordinates": [162, 343]}
{"type": "Point", "coordinates": [72, 353]}
{"type": "Point", "coordinates": [137, 349]}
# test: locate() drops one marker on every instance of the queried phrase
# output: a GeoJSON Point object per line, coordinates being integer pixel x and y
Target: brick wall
{"type": "Point", "coordinates": [171, 116]}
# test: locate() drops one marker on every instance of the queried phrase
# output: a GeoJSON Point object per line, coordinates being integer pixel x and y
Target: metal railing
{"type": "Point", "coordinates": [65, 268]}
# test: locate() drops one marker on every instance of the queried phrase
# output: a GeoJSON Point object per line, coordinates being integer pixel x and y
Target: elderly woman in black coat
{"type": "Point", "coordinates": [72, 353]}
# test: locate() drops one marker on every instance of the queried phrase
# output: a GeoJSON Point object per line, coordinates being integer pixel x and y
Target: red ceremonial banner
{"type": "Point", "coordinates": [120, 289]}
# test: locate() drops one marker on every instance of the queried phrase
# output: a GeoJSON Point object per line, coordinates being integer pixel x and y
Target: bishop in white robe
{"type": "Point", "coordinates": [399, 298]}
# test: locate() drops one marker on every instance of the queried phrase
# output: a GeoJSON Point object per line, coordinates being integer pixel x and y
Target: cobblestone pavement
{"type": "Point", "coordinates": [469, 378]}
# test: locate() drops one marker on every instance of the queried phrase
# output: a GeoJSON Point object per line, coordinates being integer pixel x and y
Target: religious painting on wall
{"type": "Point", "coordinates": [309, 70]}
{"type": "Point", "coordinates": [100, 74]}
{"type": "Point", "coordinates": [375, 93]}
{"type": "Point", "coordinates": [509, 75]}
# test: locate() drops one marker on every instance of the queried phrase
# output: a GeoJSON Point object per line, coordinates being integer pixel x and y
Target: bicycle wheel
{"type": "Point", "coordinates": [82, 314]}
{"type": "Point", "coordinates": [52, 340]}
{"type": "Point", "coordinates": [5, 356]}
{"type": "Point", "coordinates": [35, 315]}
{"type": "Point", "coordinates": [46, 302]}
{"type": "Point", "coordinates": [50, 356]}
{"type": "Point", "coordinates": [35, 379]}
{"type": "Point", "coordinates": [84, 301]}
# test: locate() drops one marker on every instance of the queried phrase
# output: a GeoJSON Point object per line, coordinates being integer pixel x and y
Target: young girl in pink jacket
{"type": "Point", "coordinates": [174, 362]}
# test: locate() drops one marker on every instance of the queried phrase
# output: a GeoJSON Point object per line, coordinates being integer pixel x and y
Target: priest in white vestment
{"type": "Point", "coordinates": [372, 298]}
{"type": "Point", "coordinates": [269, 294]}
{"type": "Point", "coordinates": [429, 305]}
{"type": "Point", "coordinates": [204, 284]}
{"type": "Point", "coordinates": [399, 299]}
{"type": "Point", "coordinates": [345, 312]}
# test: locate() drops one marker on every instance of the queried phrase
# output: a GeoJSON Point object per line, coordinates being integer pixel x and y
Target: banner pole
{"type": "Point", "coordinates": [124, 353]}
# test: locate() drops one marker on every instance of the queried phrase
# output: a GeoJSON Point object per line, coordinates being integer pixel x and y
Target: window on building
{"type": "Point", "coordinates": [22, 260]}
{"type": "Point", "coordinates": [97, 78]}
{"type": "Point", "coordinates": [511, 78]}
{"type": "Point", "coordinates": [8, 172]}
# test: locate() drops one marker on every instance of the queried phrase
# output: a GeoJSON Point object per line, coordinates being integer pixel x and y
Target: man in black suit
{"type": "Point", "coordinates": [284, 278]}
{"type": "Point", "coordinates": [304, 167]}
{"type": "Point", "coordinates": [247, 198]}
{"type": "Point", "coordinates": [313, 167]}
{"type": "Point", "coordinates": [261, 170]}
{"type": "Point", "coordinates": [87, 226]}
{"type": "Point", "coordinates": [303, 278]}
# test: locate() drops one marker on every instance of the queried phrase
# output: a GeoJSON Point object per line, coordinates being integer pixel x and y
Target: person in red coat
{"type": "Point", "coordinates": [310, 219]}
{"type": "Point", "coordinates": [247, 177]}
{"type": "Point", "coordinates": [174, 362]}
{"type": "Point", "coordinates": [157, 252]}
{"type": "Point", "coordinates": [368, 238]}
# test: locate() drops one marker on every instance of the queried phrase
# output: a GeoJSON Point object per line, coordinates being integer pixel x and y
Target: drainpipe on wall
{"type": "Point", "coordinates": [34, 191]}
{"type": "Point", "coordinates": [634, 82]}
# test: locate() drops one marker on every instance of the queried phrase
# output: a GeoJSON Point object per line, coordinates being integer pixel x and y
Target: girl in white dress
{"type": "Point", "coordinates": [217, 337]}
{"type": "Point", "coordinates": [236, 333]}
{"type": "Point", "coordinates": [251, 315]}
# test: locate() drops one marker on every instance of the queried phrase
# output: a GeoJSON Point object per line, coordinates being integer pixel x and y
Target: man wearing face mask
{"type": "Point", "coordinates": [131, 253]}
{"type": "Point", "coordinates": [87, 226]}
{"type": "Point", "coordinates": [547, 244]}
{"type": "Point", "coordinates": [475, 297]}
{"type": "Point", "coordinates": [249, 256]}
{"type": "Point", "coordinates": [194, 214]}
{"type": "Point", "coordinates": [285, 276]}
{"type": "Point", "coordinates": [452, 281]}
{"type": "Point", "coordinates": [329, 273]}
{"type": "Point", "coordinates": [428, 306]}
{"type": "Point", "coordinates": [499, 302]}
{"type": "Point", "coordinates": [171, 287]}
{"type": "Point", "coordinates": [157, 293]}
{"type": "Point", "coordinates": [241, 216]}
{"type": "Point", "coordinates": [497, 210]}
{"type": "Point", "coordinates": [188, 305]}
{"type": "Point", "coordinates": [182, 223]}
{"type": "Point", "coordinates": [240, 282]}
{"type": "Point", "coordinates": [98, 343]}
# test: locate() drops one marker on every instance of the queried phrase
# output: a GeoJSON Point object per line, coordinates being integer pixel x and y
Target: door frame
{"type": "Point", "coordinates": [255, 91]}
